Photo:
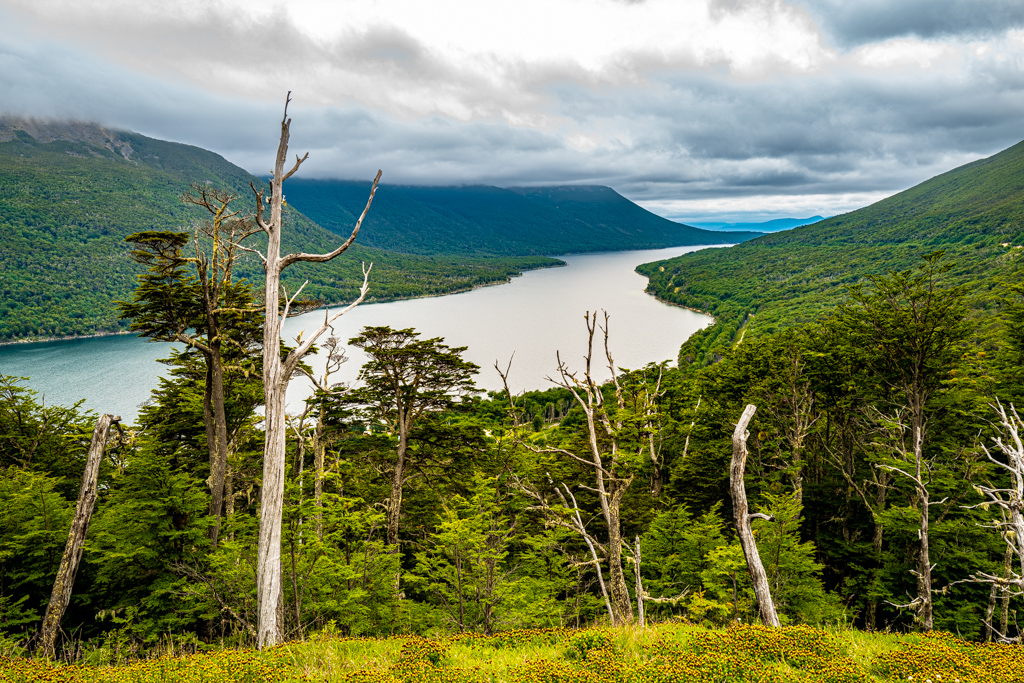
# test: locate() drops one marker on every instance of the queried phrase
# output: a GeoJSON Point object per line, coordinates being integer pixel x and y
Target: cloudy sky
{"type": "Point", "coordinates": [697, 109]}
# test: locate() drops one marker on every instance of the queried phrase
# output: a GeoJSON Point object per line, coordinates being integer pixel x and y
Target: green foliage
{"type": "Point", "coordinates": [676, 551]}
{"type": "Point", "coordinates": [34, 521]}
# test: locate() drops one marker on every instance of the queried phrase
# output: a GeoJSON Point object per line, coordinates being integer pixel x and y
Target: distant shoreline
{"type": "Point", "coordinates": [72, 337]}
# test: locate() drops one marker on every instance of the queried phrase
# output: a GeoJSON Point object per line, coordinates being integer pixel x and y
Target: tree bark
{"type": "Point", "coordinates": [618, 587]}
{"type": "Point", "coordinates": [277, 372]}
{"type": "Point", "coordinates": [394, 509]}
{"type": "Point", "coordinates": [319, 449]}
{"type": "Point", "coordinates": [63, 584]}
{"type": "Point", "coordinates": [639, 585]}
{"type": "Point", "coordinates": [219, 464]}
{"type": "Point", "coordinates": [924, 566]}
{"type": "Point", "coordinates": [742, 516]}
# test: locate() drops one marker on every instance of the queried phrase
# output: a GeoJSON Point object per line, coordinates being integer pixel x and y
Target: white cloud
{"type": "Point", "coordinates": [804, 106]}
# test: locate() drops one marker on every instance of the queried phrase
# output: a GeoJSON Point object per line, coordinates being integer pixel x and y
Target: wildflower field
{"type": "Point", "coordinates": [660, 654]}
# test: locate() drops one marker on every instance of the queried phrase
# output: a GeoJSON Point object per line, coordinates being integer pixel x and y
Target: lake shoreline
{"type": "Point", "coordinates": [462, 290]}
{"type": "Point", "coordinates": [533, 319]}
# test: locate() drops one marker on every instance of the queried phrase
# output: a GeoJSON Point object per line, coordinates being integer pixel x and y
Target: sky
{"type": "Point", "coordinates": [699, 110]}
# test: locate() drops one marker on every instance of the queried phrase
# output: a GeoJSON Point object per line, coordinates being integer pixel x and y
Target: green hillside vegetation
{"type": "Point", "coordinates": [73, 195]}
{"type": "Point", "coordinates": [480, 219]}
{"type": "Point", "coordinates": [974, 213]}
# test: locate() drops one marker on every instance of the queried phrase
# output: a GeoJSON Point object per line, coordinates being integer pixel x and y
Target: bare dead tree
{"type": "Point", "coordinates": [335, 359]}
{"type": "Point", "coordinates": [1009, 500]}
{"type": "Point", "coordinates": [743, 517]}
{"type": "Point", "coordinates": [616, 438]}
{"type": "Point", "coordinates": [790, 406]}
{"type": "Point", "coordinates": [65, 581]}
{"type": "Point", "coordinates": [917, 468]}
{"type": "Point", "coordinates": [639, 584]}
{"type": "Point", "coordinates": [277, 373]}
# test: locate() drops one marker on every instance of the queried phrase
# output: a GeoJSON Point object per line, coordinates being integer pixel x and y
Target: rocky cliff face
{"type": "Point", "coordinates": [43, 130]}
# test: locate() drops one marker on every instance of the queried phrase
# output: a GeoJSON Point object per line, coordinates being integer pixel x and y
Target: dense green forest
{"type": "Point", "coordinates": [974, 213]}
{"type": "Point", "coordinates": [74, 194]}
{"type": "Point", "coordinates": [884, 462]}
{"type": "Point", "coordinates": [501, 511]}
{"type": "Point", "coordinates": [479, 219]}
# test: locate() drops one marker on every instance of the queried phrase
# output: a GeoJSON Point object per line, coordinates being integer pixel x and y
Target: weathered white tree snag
{"type": "Point", "coordinates": [614, 446]}
{"type": "Point", "coordinates": [742, 515]}
{"type": "Point", "coordinates": [639, 585]}
{"type": "Point", "coordinates": [1010, 501]}
{"type": "Point", "coordinates": [65, 581]}
{"type": "Point", "coordinates": [277, 372]}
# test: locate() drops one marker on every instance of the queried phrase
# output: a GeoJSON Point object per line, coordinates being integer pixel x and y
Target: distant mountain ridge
{"type": "Point", "coordinates": [72, 192]}
{"type": "Point", "coordinates": [974, 213]}
{"type": "Point", "coordinates": [773, 225]}
{"type": "Point", "coordinates": [482, 219]}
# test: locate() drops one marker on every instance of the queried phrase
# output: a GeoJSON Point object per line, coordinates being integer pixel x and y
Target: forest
{"type": "Point", "coordinates": [883, 443]}
{"type": "Point", "coordinates": [878, 443]}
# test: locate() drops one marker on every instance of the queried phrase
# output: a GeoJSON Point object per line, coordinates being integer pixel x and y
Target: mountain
{"type": "Point", "coordinates": [481, 219]}
{"type": "Point", "coordinates": [974, 213]}
{"type": "Point", "coordinates": [774, 225]}
{"type": "Point", "coordinates": [72, 191]}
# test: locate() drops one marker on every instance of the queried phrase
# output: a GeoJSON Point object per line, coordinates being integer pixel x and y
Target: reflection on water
{"type": "Point", "coordinates": [532, 317]}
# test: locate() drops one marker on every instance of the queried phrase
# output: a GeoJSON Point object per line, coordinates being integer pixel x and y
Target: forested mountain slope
{"type": "Point", "coordinates": [71, 193]}
{"type": "Point", "coordinates": [480, 219]}
{"type": "Point", "coordinates": [975, 213]}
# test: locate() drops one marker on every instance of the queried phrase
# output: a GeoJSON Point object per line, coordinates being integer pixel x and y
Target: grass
{"type": "Point", "coordinates": [669, 653]}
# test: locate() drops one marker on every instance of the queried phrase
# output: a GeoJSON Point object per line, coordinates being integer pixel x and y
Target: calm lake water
{"type": "Point", "coordinates": [533, 317]}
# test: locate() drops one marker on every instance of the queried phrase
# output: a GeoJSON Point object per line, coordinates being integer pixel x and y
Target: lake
{"type": "Point", "coordinates": [533, 316]}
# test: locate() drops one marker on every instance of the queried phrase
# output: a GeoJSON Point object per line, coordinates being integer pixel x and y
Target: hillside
{"type": "Point", "coordinates": [975, 213]}
{"type": "Point", "coordinates": [73, 191]}
{"type": "Point", "coordinates": [480, 219]}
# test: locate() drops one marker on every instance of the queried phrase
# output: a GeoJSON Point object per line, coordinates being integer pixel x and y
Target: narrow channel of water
{"type": "Point", "coordinates": [533, 317]}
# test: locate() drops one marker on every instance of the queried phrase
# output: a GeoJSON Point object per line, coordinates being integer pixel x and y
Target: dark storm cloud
{"type": "Point", "coordinates": [852, 23]}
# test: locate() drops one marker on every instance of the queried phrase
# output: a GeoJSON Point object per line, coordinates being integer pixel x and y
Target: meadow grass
{"type": "Point", "coordinates": [666, 653]}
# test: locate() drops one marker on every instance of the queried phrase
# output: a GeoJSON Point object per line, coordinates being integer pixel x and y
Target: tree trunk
{"type": "Point", "coordinates": [63, 584]}
{"type": "Point", "coordinates": [269, 599]}
{"type": "Point", "coordinates": [924, 566]}
{"type": "Point", "coordinates": [618, 587]}
{"type": "Point", "coordinates": [990, 612]}
{"type": "Point", "coordinates": [394, 507]}
{"type": "Point", "coordinates": [268, 565]}
{"type": "Point", "coordinates": [219, 454]}
{"type": "Point", "coordinates": [229, 497]}
{"type": "Point", "coordinates": [639, 584]}
{"type": "Point", "coordinates": [276, 374]}
{"type": "Point", "coordinates": [742, 516]}
{"type": "Point", "coordinates": [876, 548]}
{"type": "Point", "coordinates": [318, 483]}
{"type": "Point", "coordinates": [924, 570]}
{"type": "Point", "coordinates": [1004, 612]}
